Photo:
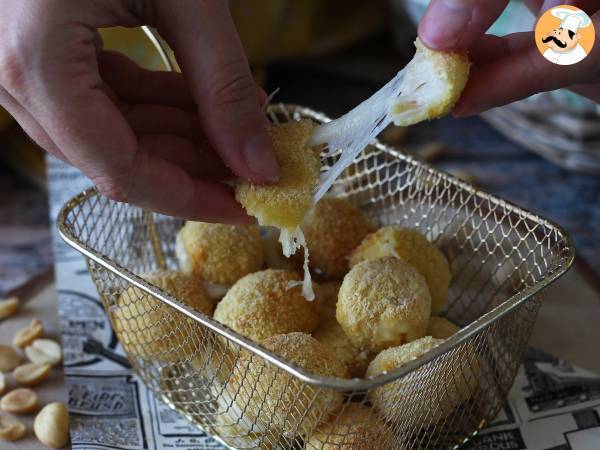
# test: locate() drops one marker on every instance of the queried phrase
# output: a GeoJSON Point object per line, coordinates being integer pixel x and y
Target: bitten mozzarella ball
{"type": "Point", "coordinates": [331, 334]}
{"type": "Point", "coordinates": [414, 249]}
{"type": "Point", "coordinates": [219, 254]}
{"type": "Point", "coordinates": [284, 204]}
{"type": "Point", "coordinates": [266, 303]}
{"type": "Point", "coordinates": [383, 302]}
{"type": "Point", "coordinates": [356, 428]}
{"type": "Point", "coordinates": [151, 329]}
{"type": "Point", "coordinates": [333, 228]}
{"type": "Point", "coordinates": [429, 394]}
{"type": "Point", "coordinates": [441, 328]}
{"type": "Point", "coordinates": [279, 403]}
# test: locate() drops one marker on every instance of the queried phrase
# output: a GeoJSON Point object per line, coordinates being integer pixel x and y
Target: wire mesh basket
{"type": "Point", "coordinates": [247, 397]}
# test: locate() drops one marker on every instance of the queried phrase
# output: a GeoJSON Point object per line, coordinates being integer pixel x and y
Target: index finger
{"type": "Point", "coordinates": [458, 24]}
{"type": "Point", "coordinates": [214, 63]}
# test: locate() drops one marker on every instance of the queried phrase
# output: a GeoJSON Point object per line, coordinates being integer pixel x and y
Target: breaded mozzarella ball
{"type": "Point", "coordinates": [333, 228]}
{"type": "Point", "coordinates": [266, 303]}
{"type": "Point", "coordinates": [383, 302]}
{"type": "Point", "coordinates": [219, 254]}
{"type": "Point", "coordinates": [278, 402]}
{"type": "Point", "coordinates": [414, 249]}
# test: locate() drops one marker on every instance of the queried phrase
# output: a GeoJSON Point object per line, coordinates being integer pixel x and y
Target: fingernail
{"type": "Point", "coordinates": [260, 158]}
{"type": "Point", "coordinates": [444, 23]}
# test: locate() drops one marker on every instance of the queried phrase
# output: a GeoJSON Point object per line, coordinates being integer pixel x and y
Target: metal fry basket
{"type": "Point", "coordinates": [246, 397]}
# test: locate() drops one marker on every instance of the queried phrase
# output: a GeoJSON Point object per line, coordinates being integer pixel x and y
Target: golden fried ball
{"type": "Point", "coordinates": [333, 228]}
{"type": "Point", "coordinates": [441, 76]}
{"type": "Point", "coordinates": [357, 427]}
{"type": "Point", "coordinates": [413, 248]}
{"type": "Point", "coordinates": [331, 334]}
{"type": "Point", "coordinates": [266, 303]}
{"type": "Point", "coordinates": [441, 328]}
{"type": "Point", "coordinates": [383, 302]}
{"type": "Point", "coordinates": [285, 203]}
{"type": "Point", "coordinates": [428, 394]}
{"type": "Point", "coordinates": [151, 329]}
{"type": "Point", "coordinates": [279, 403]}
{"type": "Point", "coordinates": [219, 254]}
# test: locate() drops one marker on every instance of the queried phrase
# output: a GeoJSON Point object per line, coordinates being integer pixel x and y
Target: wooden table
{"type": "Point", "coordinates": [567, 327]}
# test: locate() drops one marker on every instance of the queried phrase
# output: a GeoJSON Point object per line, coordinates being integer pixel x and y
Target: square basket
{"type": "Point", "coordinates": [246, 397]}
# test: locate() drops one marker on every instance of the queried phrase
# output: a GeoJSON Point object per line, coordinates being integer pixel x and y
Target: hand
{"type": "Point", "coordinates": [156, 139]}
{"type": "Point", "coordinates": [508, 68]}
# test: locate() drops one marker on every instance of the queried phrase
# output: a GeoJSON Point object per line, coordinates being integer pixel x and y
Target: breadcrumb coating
{"type": "Point", "coordinates": [429, 394]}
{"type": "Point", "coordinates": [279, 402]}
{"type": "Point", "coordinates": [331, 334]}
{"type": "Point", "coordinates": [333, 228]}
{"type": "Point", "coordinates": [285, 203]}
{"type": "Point", "coordinates": [383, 302]}
{"type": "Point", "coordinates": [356, 428]}
{"type": "Point", "coordinates": [220, 254]}
{"type": "Point", "coordinates": [263, 304]}
{"type": "Point", "coordinates": [441, 328]}
{"type": "Point", "coordinates": [151, 329]}
{"type": "Point", "coordinates": [414, 249]}
{"type": "Point", "coordinates": [432, 85]}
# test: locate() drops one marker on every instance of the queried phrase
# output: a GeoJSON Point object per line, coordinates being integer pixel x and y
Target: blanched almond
{"type": "Point", "coordinates": [2, 383]}
{"type": "Point", "coordinates": [32, 373]}
{"type": "Point", "coordinates": [19, 401]}
{"type": "Point", "coordinates": [30, 333]}
{"type": "Point", "coordinates": [8, 307]}
{"type": "Point", "coordinates": [44, 351]}
{"type": "Point", "coordinates": [11, 429]}
{"type": "Point", "coordinates": [51, 425]}
{"type": "Point", "coordinates": [9, 358]}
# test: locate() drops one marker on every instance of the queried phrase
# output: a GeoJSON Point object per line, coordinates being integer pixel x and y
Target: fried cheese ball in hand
{"type": "Point", "coordinates": [357, 427]}
{"type": "Point", "coordinates": [333, 228]}
{"type": "Point", "coordinates": [432, 84]}
{"type": "Point", "coordinates": [413, 248]}
{"type": "Point", "coordinates": [429, 394]}
{"type": "Point", "coordinates": [151, 329]}
{"type": "Point", "coordinates": [441, 328]}
{"type": "Point", "coordinates": [219, 254]}
{"type": "Point", "coordinates": [332, 335]}
{"type": "Point", "coordinates": [285, 203]}
{"type": "Point", "coordinates": [278, 402]}
{"type": "Point", "coordinates": [266, 303]}
{"type": "Point", "coordinates": [383, 302]}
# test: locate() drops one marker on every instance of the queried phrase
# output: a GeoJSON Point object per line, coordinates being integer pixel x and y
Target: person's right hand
{"type": "Point", "coordinates": [508, 68]}
{"type": "Point", "coordinates": [156, 139]}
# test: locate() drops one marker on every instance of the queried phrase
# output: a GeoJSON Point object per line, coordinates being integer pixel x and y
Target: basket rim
{"type": "Point", "coordinates": [474, 328]}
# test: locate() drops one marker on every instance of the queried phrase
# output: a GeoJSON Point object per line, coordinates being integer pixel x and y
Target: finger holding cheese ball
{"type": "Point", "coordinates": [219, 254]}
{"type": "Point", "coordinates": [357, 427]}
{"type": "Point", "coordinates": [414, 249]}
{"type": "Point", "coordinates": [430, 393]}
{"type": "Point", "coordinates": [333, 228]}
{"type": "Point", "coordinates": [266, 303]}
{"type": "Point", "coordinates": [151, 329]}
{"type": "Point", "coordinates": [276, 401]}
{"type": "Point", "coordinates": [383, 302]}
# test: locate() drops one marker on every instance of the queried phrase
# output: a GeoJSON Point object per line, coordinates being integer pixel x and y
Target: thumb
{"type": "Point", "coordinates": [214, 64]}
